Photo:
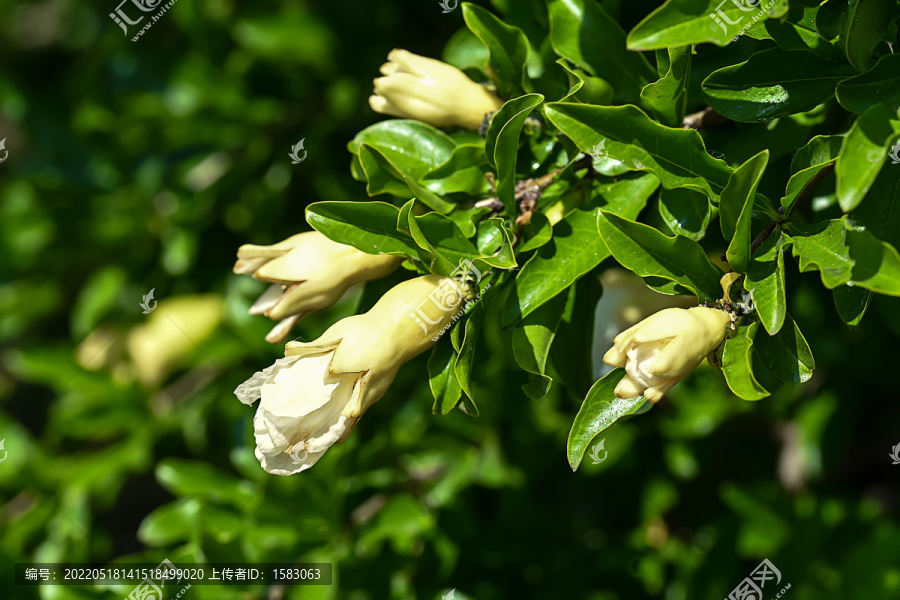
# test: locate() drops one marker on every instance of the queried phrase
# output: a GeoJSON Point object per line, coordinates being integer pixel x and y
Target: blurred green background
{"type": "Point", "coordinates": [144, 165]}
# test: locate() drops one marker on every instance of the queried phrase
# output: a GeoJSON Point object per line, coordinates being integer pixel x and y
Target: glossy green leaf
{"type": "Point", "coordinates": [502, 146]}
{"type": "Point", "coordinates": [867, 23]}
{"type": "Point", "coordinates": [796, 36]}
{"type": "Point", "coordinates": [844, 255]}
{"type": "Point", "coordinates": [583, 33]}
{"type": "Point", "coordinates": [786, 354]}
{"type": "Point", "coordinates": [537, 233]}
{"type": "Point", "coordinates": [466, 358]}
{"type": "Point", "coordinates": [531, 342]}
{"type": "Point", "coordinates": [586, 88]}
{"type": "Point", "coordinates": [367, 226]}
{"type": "Point", "coordinates": [444, 244]}
{"type": "Point", "coordinates": [685, 211]}
{"type": "Point", "coordinates": [765, 279]}
{"type": "Point", "coordinates": [571, 352]}
{"type": "Point", "coordinates": [686, 22]}
{"type": "Point", "coordinates": [442, 377]}
{"type": "Point", "coordinates": [863, 154]}
{"type": "Point", "coordinates": [384, 176]}
{"type": "Point", "coordinates": [851, 303]}
{"type": "Point", "coordinates": [598, 412]}
{"type": "Point", "coordinates": [878, 85]}
{"type": "Point", "coordinates": [737, 364]}
{"type": "Point", "coordinates": [414, 146]}
{"type": "Point", "coordinates": [463, 172]}
{"type": "Point", "coordinates": [831, 18]}
{"type": "Point", "coordinates": [773, 83]}
{"type": "Point", "coordinates": [575, 247]}
{"type": "Point", "coordinates": [677, 157]}
{"type": "Point", "coordinates": [740, 190]}
{"type": "Point", "coordinates": [170, 523]}
{"type": "Point", "coordinates": [667, 98]}
{"type": "Point", "coordinates": [738, 253]}
{"type": "Point", "coordinates": [808, 162]}
{"type": "Point", "coordinates": [508, 49]}
{"type": "Point", "coordinates": [679, 262]}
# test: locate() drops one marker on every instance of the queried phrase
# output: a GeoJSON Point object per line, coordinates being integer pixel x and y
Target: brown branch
{"type": "Point", "coordinates": [704, 118]}
{"type": "Point", "coordinates": [801, 197]}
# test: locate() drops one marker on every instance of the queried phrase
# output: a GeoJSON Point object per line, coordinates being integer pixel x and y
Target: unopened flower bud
{"type": "Point", "coordinates": [308, 272]}
{"type": "Point", "coordinates": [314, 396]}
{"type": "Point", "coordinates": [415, 87]}
{"type": "Point", "coordinates": [662, 349]}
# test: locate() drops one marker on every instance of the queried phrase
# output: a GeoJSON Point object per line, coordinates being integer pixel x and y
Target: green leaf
{"type": "Point", "coordinates": [808, 162]}
{"type": "Point", "coordinates": [773, 83]}
{"type": "Point", "coordinates": [844, 255]}
{"type": "Point", "coordinates": [738, 253]}
{"type": "Point", "coordinates": [740, 190]}
{"type": "Point", "coordinates": [442, 377]}
{"type": "Point", "coordinates": [170, 523]}
{"type": "Point", "coordinates": [466, 357]}
{"type": "Point", "coordinates": [449, 246]}
{"type": "Point", "coordinates": [367, 226]}
{"type": "Point", "coordinates": [575, 247]}
{"type": "Point", "coordinates": [531, 342]}
{"type": "Point", "coordinates": [737, 364]}
{"type": "Point", "coordinates": [765, 279]}
{"type": "Point", "coordinates": [686, 22]}
{"type": "Point", "coordinates": [502, 146]}
{"type": "Point", "coordinates": [537, 232]}
{"type": "Point", "coordinates": [831, 18]}
{"type": "Point", "coordinates": [574, 341]}
{"type": "Point", "coordinates": [414, 146]}
{"type": "Point", "coordinates": [463, 172]}
{"type": "Point", "coordinates": [867, 22]}
{"type": "Point", "coordinates": [598, 412]}
{"type": "Point", "coordinates": [878, 85]}
{"type": "Point", "coordinates": [667, 98]}
{"type": "Point", "coordinates": [851, 304]}
{"type": "Point", "coordinates": [582, 32]}
{"type": "Point", "coordinates": [786, 354]}
{"type": "Point", "coordinates": [796, 36]}
{"type": "Point", "coordinates": [650, 254]}
{"type": "Point", "coordinates": [508, 49]}
{"type": "Point", "coordinates": [685, 211]}
{"type": "Point", "coordinates": [677, 157]}
{"type": "Point", "coordinates": [383, 176]}
{"type": "Point", "coordinates": [586, 88]}
{"type": "Point", "coordinates": [863, 154]}
{"type": "Point", "coordinates": [201, 480]}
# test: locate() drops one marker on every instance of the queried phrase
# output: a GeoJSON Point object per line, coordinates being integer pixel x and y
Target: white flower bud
{"type": "Point", "coordinates": [314, 396]}
{"type": "Point", "coordinates": [309, 272]}
{"type": "Point", "coordinates": [415, 87]}
{"type": "Point", "coordinates": [662, 349]}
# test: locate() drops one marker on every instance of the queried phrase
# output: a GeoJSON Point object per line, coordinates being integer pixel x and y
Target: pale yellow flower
{"type": "Point", "coordinates": [415, 87]}
{"type": "Point", "coordinates": [308, 272]}
{"type": "Point", "coordinates": [662, 349]}
{"type": "Point", "coordinates": [314, 396]}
